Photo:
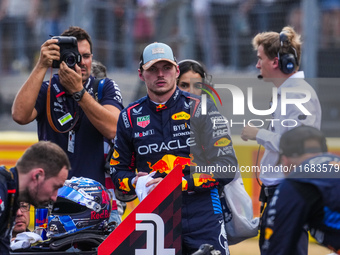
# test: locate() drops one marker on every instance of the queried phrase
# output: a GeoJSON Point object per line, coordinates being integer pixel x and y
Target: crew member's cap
{"type": "Point", "coordinates": [156, 52]}
{"type": "Point", "coordinates": [293, 142]}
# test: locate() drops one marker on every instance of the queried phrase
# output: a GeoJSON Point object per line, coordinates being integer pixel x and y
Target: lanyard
{"type": "Point", "coordinates": [48, 111]}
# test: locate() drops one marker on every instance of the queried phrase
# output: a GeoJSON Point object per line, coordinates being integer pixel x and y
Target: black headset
{"type": "Point", "coordinates": [207, 78]}
{"type": "Point", "coordinates": [194, 62]}
{"type": "Point", "coordinates": [287, 61]}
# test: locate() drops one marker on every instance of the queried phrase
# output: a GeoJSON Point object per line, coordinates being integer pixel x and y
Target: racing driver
{"type": "Point", "coordinates": [167, 128]}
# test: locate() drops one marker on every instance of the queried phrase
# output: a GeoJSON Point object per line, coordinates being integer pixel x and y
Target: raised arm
{"type": "Point", "coordinates": [103, 117]}
{"type": "Point", "coordinates": [23, 111]}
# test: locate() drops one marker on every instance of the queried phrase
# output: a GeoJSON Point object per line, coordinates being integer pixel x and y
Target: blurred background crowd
{"type": "Point", "coordinates": [216, 32]}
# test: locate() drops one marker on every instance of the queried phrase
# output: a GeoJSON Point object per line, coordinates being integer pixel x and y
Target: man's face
{"type": "Point", "coordinates": [46, 190]}
{"type": "Point", "coordinates": [160, 79]}
{"type": "Point", "coordinates": [264, 64]}
{"type": "Point", "coordinates": [22, 219]}
{"type": "Point", "coordinates": [86, 59]}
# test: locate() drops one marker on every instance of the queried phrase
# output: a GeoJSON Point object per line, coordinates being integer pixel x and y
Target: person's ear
{"type": "Point", "coordinates": [38, 174]}
{"type": "Point", "coordinates": [140, 74]}
{"type": "Point", "coordinates": [177, 71]}
{"type": "Point", "coordinates": [276, 62]}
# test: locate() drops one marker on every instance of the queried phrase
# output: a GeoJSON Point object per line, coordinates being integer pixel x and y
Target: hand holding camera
{"type": "Point", "coordinates": [63, 50]}
{"type": "Point", "coordinates": [68, 51]}
{"type": "Point", "coordinates": [60, 49]}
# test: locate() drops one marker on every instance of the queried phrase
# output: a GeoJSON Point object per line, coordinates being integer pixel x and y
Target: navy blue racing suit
{"type": "Point", "coordinates": [8, 205]}
{"type": "Point", "coordinates": [308, 197]}
{"type": "Point", "coordinates": [86, 151]}
{"type": "Point", "coordinates": [156, 138]}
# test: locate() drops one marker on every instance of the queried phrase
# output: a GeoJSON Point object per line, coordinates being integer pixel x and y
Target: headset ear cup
{"type": "Point", "coordinates": [287, 63]}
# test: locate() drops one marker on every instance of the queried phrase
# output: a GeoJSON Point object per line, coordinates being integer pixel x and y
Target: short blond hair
{"type": "Point", "coordinates": [271, 43]}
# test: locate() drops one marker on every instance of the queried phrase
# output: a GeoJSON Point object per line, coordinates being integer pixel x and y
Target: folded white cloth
{"type": "Point", "coordinates": [23, 240]}
{"type": "Point", "coordinates": [141, 189]}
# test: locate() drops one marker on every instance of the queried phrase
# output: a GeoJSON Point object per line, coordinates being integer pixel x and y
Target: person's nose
{"type": "Point", "coordinates": [19, 213]}
{"type": "Point", "coordinates": [258, 65]}
{"type": "Point", "coordinates": [160, 72]}
{"type": "Point", "coordinates": [82, 62]}
{"type": "Point", "coordinates": [54, 196]}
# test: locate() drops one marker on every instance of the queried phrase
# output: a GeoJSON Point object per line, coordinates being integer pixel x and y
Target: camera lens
{"type": "Point", "coordinates": [70, 60]}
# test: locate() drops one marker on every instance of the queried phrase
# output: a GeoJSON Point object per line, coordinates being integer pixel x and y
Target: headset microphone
{"type": "Point", "coordinates": [260, 77]}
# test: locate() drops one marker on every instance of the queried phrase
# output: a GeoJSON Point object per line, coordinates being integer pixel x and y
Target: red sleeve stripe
{"type": "Point", "coordinates": [197, 101]}
{"type": "Point", "coordinates": [129, 112]}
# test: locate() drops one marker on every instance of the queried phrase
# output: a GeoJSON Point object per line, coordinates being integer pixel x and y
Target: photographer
{"type": "Point", "coordinates": [65, 108]}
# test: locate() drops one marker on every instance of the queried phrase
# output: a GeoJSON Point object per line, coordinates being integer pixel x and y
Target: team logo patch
{"type": "Point", "coordinates": [158, 51]}
{"type": "Point", "coordinates": [184, 185]}
{"type": "Point", "coordinates": [268, 233]}
{"type": "Point", "coordinates": [124, 184]}
{"type": "Point", "coordinates": [201, 179]}
{"type": "Point", "coordinates": [160, 107]}
{"type": "Point", "coordinates": [181, 116]}
{"type": "Point", "coordinates": [168, 162]}
{"type": "Point", "coordinates": [186, 105]}
{"type": "Point", "coordinates": [145, 133]}
{"type": "Point", "coordinates": [222, 142]}
{"type": "Point", "coordinates": [137, 112]}
{"type": "Point", "coordinates": [115, 154]}
{"type": "Point", "coordinates": [114, 162]}
{"type": "Point", "coordinates": [143, 121]}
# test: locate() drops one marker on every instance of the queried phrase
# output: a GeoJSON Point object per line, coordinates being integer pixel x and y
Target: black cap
{"type": "Point", "coordinates": [292, 143]}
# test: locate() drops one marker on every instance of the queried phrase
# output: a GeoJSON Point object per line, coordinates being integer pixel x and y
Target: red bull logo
{"type": "Point", "coordinates": [183, 161]}
{"type": "Point", "coordinates": [160, 166]}
{"type": "Point", "coordinates": [124, 185]}
{"type": "Point", "coordinates": [113, 162]}
{"type": "Point", "coordinates": [168, 162]}
{"type": "Point", "coordinates": [184, 185]}
{"type": "Point", "coordinates": [161, 107]}
{"type": "Point", "coordinates": [203, 179]}
{"type": "Point", "coordinates": [41, 222]}
{"type": "Point", "coordinates": [103, 215]}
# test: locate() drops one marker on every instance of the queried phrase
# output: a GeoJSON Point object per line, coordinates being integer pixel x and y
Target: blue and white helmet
{"type": "Point", "coordinates": [82, 204]}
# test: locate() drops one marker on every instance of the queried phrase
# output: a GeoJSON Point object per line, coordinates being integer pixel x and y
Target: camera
{"type": "Point", "coordinates": [68, 51]}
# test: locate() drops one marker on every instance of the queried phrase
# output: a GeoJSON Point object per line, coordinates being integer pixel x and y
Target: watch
{"type": "Point", "coordinates": [77, 96]}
